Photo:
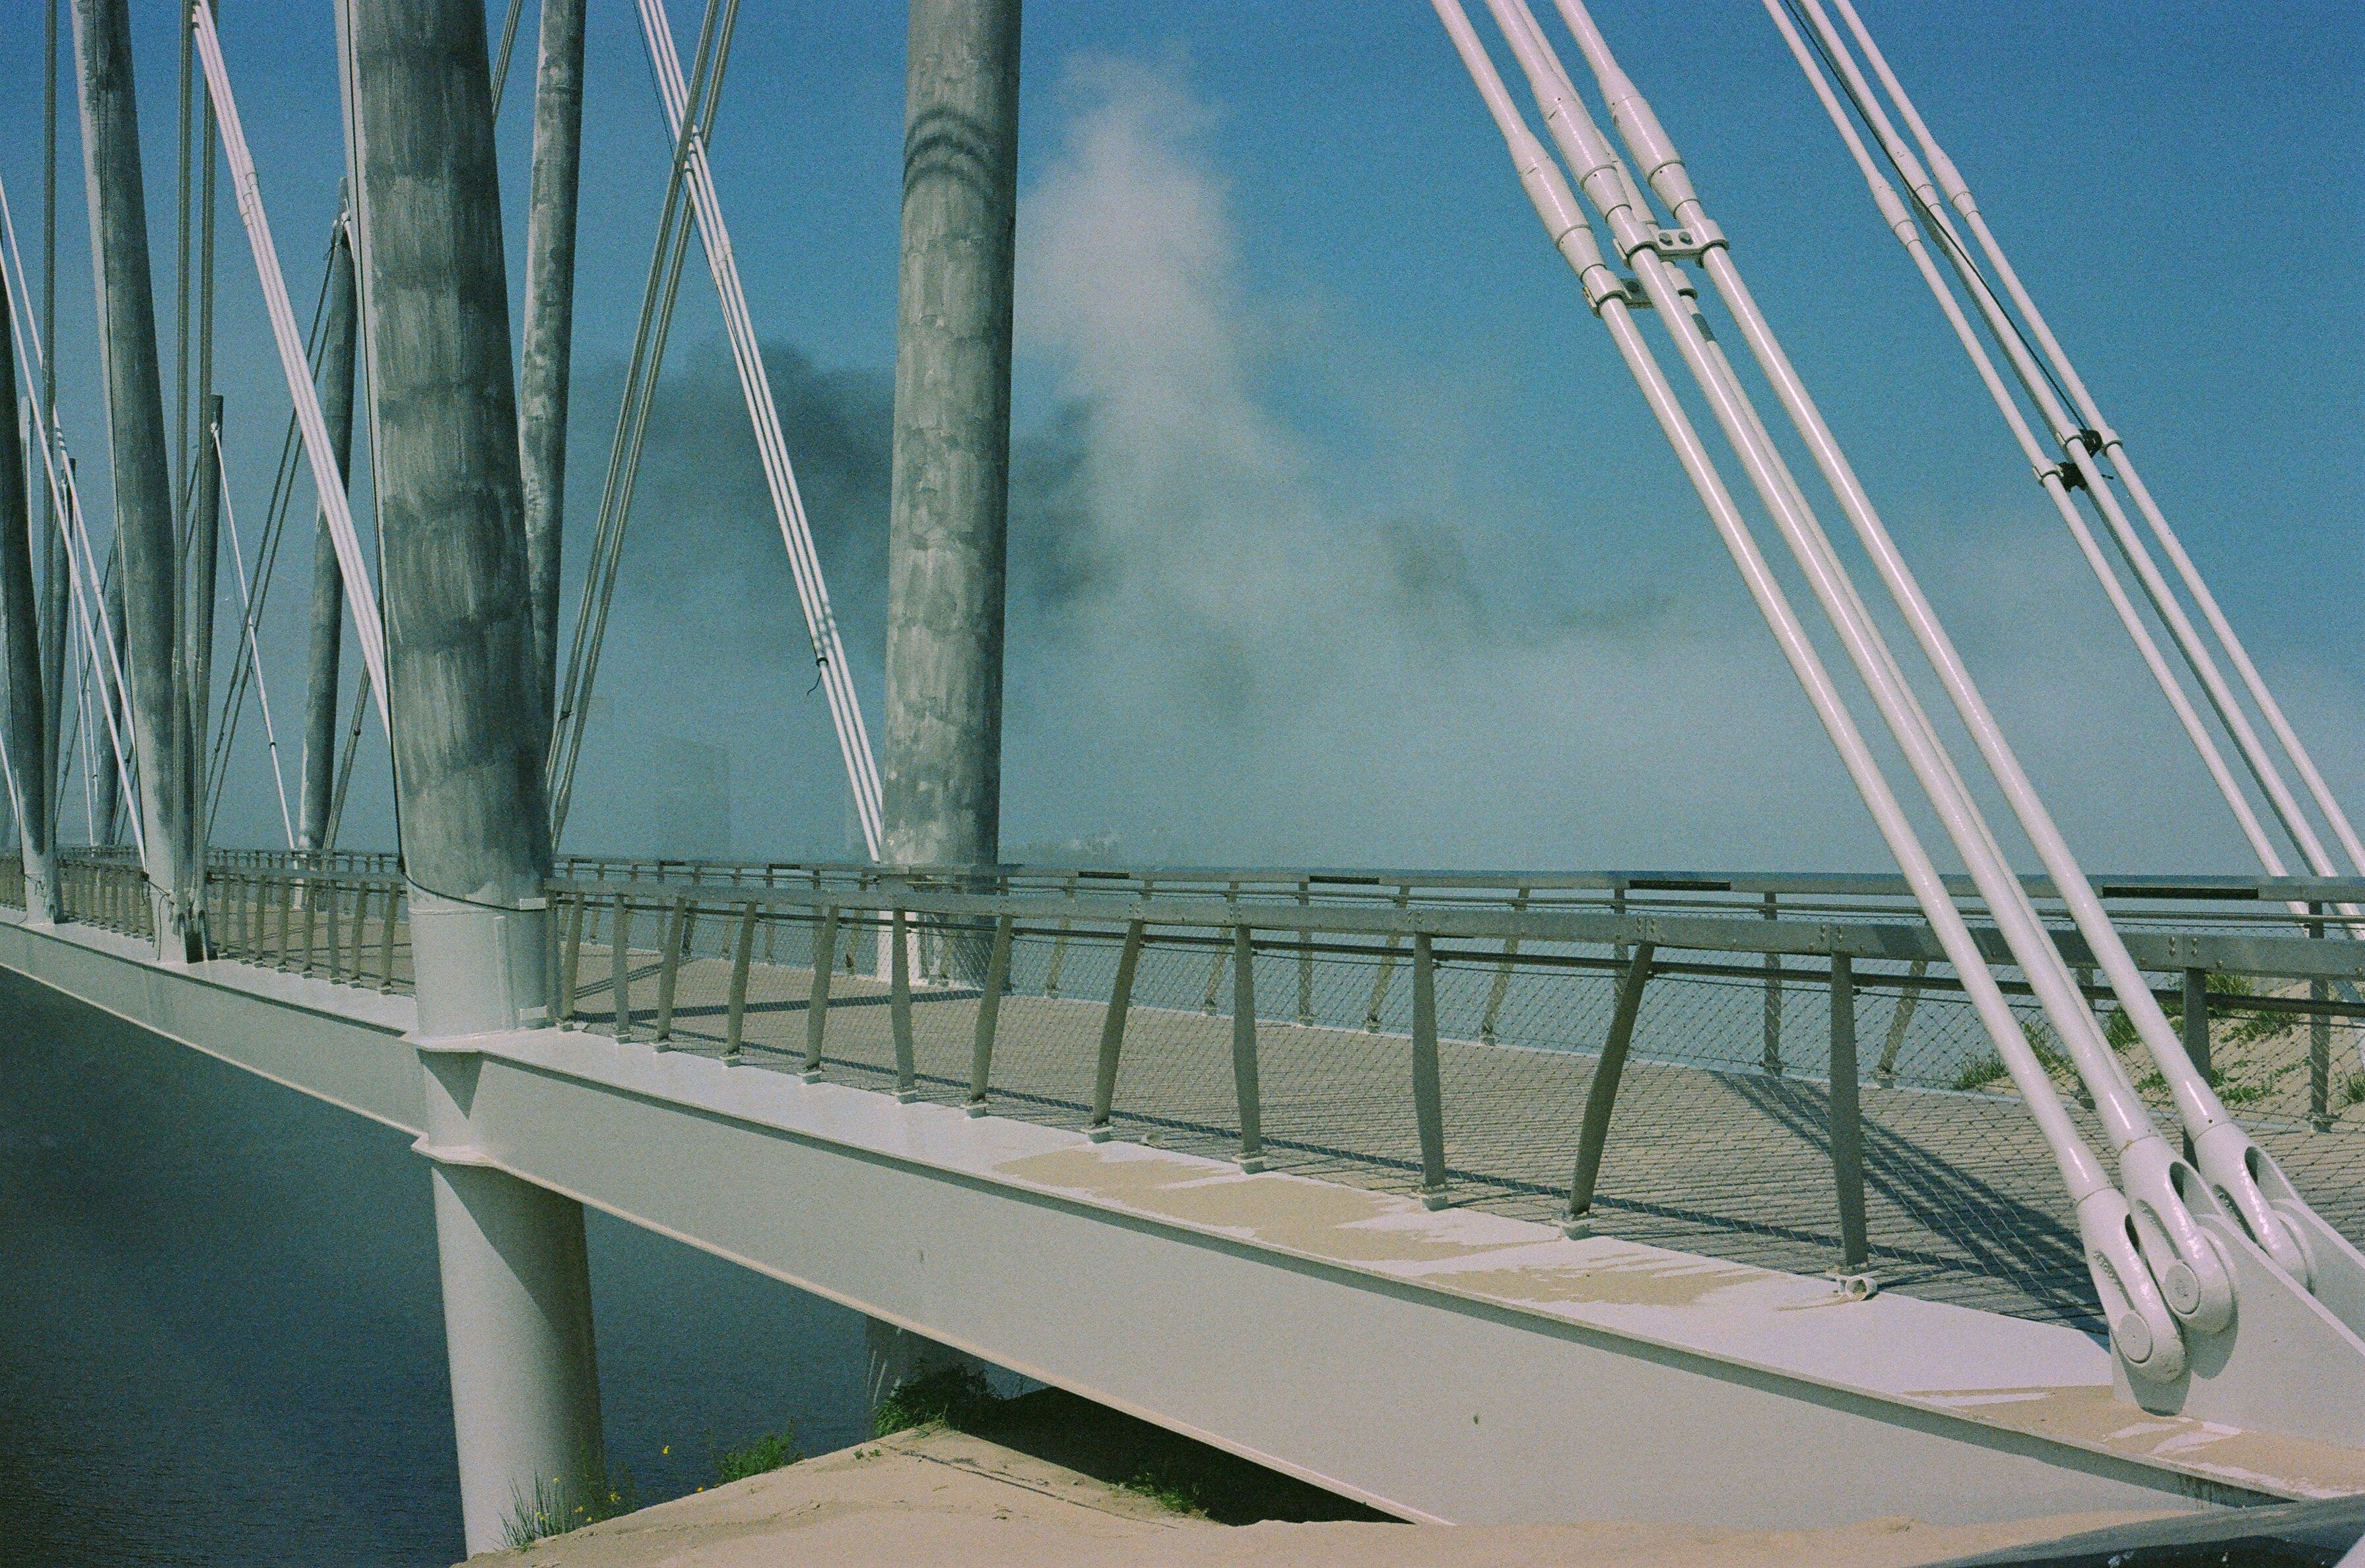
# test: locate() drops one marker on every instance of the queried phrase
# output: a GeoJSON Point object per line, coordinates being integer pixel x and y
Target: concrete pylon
{"type": "Point", "coordinates": [949, 524]}
{"type": "Point", "coordinates": [550, 323]}
{"type": "Point", "coordinates": [317, 773]}
{"type": "Point", "coordinates": [475, 830]}
{"type": "Point", "coordinates": [135, 428]}
{"type": "Point", "coordinates": [20, 650]}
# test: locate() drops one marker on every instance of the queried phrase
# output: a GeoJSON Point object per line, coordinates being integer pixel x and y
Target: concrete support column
{"type": "Point", "coordinates": [550, 323]}
{"type": "Point", "coordinates": [21, 651]}
{"type": "Point", "coordinates": [474, 830]}
{"type": "Point", "coordinates": [135, 428]}
{"type": "Point", "coordinates": [517, 1315]}
{"type": "Point", "coordinates": [318, 771]}
{"type": "Point", "coordinates": [949, 528]}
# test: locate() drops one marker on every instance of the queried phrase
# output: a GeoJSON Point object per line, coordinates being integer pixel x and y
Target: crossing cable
{"type": "Point", "coordinates": [328, 475]}
{"type": "Point", "coordinates": [266, 556]}
{"type": "Point", "coordinates": [2096, 439]}
{"type": "Point", "coordinates": [501, 57]}
{"type": "Point", "coordinates": [67, 497]}
{"type": "Point", "coordinates": [2123, 1276]}
{"type": "Point", "coordinates": [346, 770]}
{"type": "Point", "coordinates": [657, 298]}
{"type": "Point", "coordinates": [262, 689]}
{"type": "Point", "coordinates": [2045, 391]}
{"type": "Point", "coordinates": [779, 473]}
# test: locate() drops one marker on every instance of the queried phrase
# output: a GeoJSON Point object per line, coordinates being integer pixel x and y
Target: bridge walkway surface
{"type": "Point", "coordinates": [1323, 1317]}
{"type": "Point", "coordinates": [1962, 1203]}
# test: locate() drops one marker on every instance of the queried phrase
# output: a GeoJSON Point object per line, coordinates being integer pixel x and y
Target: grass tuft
{"type": "Point", "coordinates": [1979, 1072]}
{"type": "Point", "coordinates": [956, 1395]}
{"type": "Point", "coordinates": [766, 1454]}
{"type": "Point", "coordinates": [600, 1489]}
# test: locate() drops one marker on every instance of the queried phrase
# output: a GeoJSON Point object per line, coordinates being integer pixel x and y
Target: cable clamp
{"type": "Point", "coordinates": [1688, 242]}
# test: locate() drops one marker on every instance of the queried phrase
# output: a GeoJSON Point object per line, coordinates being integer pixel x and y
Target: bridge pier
{"type": "Point", "coordinates": [948, 524]}
{"type": "Point", "coordinates": [474, 826]}
{"type": "Point", "coordinates": [27, 734]}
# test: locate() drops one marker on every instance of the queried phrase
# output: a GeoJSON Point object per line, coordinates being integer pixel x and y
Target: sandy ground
{"type": "Point", "coordinates": [936, 1495]}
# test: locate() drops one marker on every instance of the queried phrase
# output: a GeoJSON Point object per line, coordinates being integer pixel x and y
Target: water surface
{"type": "Point", "coordinates": [220, 1336]}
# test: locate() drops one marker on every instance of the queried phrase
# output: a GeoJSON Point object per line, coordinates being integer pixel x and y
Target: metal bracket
{"type": "Point", "coordinates": [1686, 243]}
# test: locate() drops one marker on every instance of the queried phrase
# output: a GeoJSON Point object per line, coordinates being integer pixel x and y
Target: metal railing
{"type": "Point", "coordinates": [1779, 1069]}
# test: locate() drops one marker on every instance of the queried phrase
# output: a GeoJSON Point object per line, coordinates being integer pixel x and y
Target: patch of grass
{"type": "Point", "coordinates": [600, 1489]}
{"type": "Point", "coordinates": [958, 1395]}
{"type": "Point", "coordinates": [766, 1454]}
{"type": "Point", "coordinates": [1979, 1072]}
{"type": "Point", "coordinates": [1175, 1495]}
{"type": "Point", "coordinates": [2350, 1090]}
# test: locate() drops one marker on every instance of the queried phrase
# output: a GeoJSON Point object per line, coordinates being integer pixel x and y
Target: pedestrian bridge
{"type": "Point", "coordinates": [1475, 1197]}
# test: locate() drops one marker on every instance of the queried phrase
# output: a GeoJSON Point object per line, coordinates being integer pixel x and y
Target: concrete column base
{"type": "Point", "coordinates": [516, 1316]}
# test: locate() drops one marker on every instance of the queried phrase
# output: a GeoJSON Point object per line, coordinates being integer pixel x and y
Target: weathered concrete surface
{"type": "Point", "coordinates": [473, 827]}
{"type": "Point", "coordinates": [318, 766]}
{"type": "Point", "coordinates": [135, 428]}
{"type": "Point", "coordinates": [948, 533]}
{"type": "Point", "coordinates": [21, 653]}
{"type": "Point", "coordinates": [550, 321]}
{"type": "Point", "coordinates": [459, 632]}
{"type": "Point", "coordinates": [936, 1495]}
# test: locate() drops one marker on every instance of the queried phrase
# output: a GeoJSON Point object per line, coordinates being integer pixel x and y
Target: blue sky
{"type": "Point", "coordinates": [1284, 315]}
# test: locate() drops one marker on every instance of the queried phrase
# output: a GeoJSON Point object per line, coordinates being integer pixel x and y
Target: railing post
{"type": "Point", "coordinates": [1427, 1096]}
{"type": "Point", "coordinates": [741, 952]}
{"type": "Point", "coordinates": [1387, 972]}
{"type": "Point", "coordinates": [1772, 1059]}
{"type": "Point", "coordinates": [570, 962]}
{"type": "Point", "coordinates": [1900, 1021]}
{"type": "Point", "coordinates": [1847, 1132]}
{"type": "Point", "coordinates": [620, 966]}
{"type": "Point", "coordinates": [1601, 1094]}
{"type": "Point", "coordinates": [386, 936]}
{"type": "Point", "coordinates": [989, 1014]}
{"type": "Point", "coordinates": [336, 933]}
{"type": "Point", "coordinates": [1244, 1052]}
{"type": "Point", "coordinates": [1304, 956]}
{"type": "Point", "coordinates": [669, 967]}
{"type": "Point", "coordinates": [311, 902]}
{"type": "Point", "coordinates": [2319, 1042]}
{"type": "Point", "coordinates": [287, 922]}
{"type": "Point", "coordinates": [899, 1008]}
{"type": "Point", "coordinates": [825, 961]}
{"type": "Point", "coordinates": [1501, 988]}
{"type": "Point", "coordinates": [1128, 958]}
{"type": "Point", "coordinates": [2196, 1022]}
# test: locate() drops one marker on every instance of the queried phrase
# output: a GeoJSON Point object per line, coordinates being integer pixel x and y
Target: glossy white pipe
{"type": "Point", "coordinates": [2225, 1154]}
{"type": "Point", "coordinates": [780, 474]}
{"type": "Point", "coordinates": [1958, 194]}
{"type": "Point", "coordinates": [1900, 222]}
{"type": "Point", "coordinates": [328, 479]}
{"type": "Point", "coordinates": [2140, 1319]}
{"type": "Point", "coordinates": [2192, 1274]}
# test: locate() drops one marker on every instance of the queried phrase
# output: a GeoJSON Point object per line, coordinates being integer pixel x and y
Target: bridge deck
{"type": "Point", "coordinates": [1962, 1201]}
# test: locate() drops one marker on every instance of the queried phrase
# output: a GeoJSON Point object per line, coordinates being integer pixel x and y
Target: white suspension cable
{"type": "Point", "coordinates": [1957, 193]}
{"type": "Point", "coordinates": [780, 474]}
{"type": "Point", "coordinates": [2224, 1152]}
{"type": "Point", "coordinates": [2195, 1278]}
{"type": "Point", "coordinates": [328, 478]}
{"type": "Point", "coordinates": [255, 650]}
{"type": "Point", "coordinates": [2131, 1303]}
